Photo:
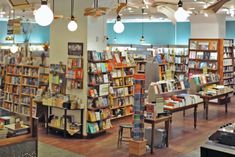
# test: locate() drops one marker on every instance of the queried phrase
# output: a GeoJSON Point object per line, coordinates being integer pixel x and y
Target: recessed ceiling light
{"type": "Point", "coordinates": [205, 14]}
{"type": "Point", "coordinates": [129, 8]}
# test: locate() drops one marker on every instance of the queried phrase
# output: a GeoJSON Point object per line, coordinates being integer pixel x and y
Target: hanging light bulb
{"type": "Point", "coordinates": [14, 48]}
{"type": "Point", "coordinates": [72, 25]}
{"type": "Point", "coordinates": [180, 14]}
{"type": "Point", "coordinates": [142, 39]}
{"type": "Point", "coordinates": [44, 16]}
{"type": "Point", "coordinates": [118, 27]}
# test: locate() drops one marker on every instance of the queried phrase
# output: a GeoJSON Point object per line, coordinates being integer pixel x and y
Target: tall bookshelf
{"type": "Point", "coordinates": [98, 114]}
{"type": "Point", "coordinates": [173, 59]}
{"type": "Point", "coordinates": [21, 85]}
{"type": "Point", "coordinates": [228, 63]}
{"type": "Point", "coordinates": [212, 56]}
{"type": "Point", "coordinates": [122, 89]}
{"type": "Point", "coordinates": [205, 56]}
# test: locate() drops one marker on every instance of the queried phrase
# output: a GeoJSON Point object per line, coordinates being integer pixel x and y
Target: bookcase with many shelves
{"type": "Point", "coordinates": [21, 85]}
{"type": "Point", "coordinates": [122, 88]}
{"type": "Point", "coordinates": [228, 63]}
{"type": "Point", "coordinates": [98, 109]}
{"type": "Point", "coordinates": [205, 56]}
{"type": "Point", "coordinates": [174, 60]}
{"type": "Point", "coordinates": [212, 56]}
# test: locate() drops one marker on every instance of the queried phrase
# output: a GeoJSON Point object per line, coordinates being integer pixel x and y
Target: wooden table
{"type": "Point", "coordinates": [183, 108]}
{"type": "Point", "coordinates": [207, 98]}
{"type": "Point", "coordinates": [165, 119]}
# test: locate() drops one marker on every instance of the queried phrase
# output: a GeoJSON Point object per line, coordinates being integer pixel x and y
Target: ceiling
{"type": "Point", "coordinates": [133, 11]}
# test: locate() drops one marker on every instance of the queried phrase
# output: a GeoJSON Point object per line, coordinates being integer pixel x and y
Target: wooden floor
{"type": "Point", "coordinates": [183, 137]}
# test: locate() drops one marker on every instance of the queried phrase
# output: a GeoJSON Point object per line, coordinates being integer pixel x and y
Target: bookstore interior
{"type": "Point", "coordinates": [104, 78]}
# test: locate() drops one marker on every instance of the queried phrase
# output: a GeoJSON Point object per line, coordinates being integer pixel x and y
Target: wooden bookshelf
{"type": "Point", "coordinates": [228, 59]}
{"type": "Point", "coordinates": [212, 56]}
{"type": "Point", "coordinates": [174, 60]}
{"type": "Point", "coordinates": [21, 85]}
{"type": "Point", "coordinates": [98, 109]}
{"type": "Point", "coordinates": [122, 87]}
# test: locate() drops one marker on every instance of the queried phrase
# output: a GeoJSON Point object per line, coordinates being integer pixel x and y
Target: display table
{"type": "Point", "coordinates": [211, 149]}
{"type": "Point", "coordinates": [183, 108]}
{"type": "Point", "coordinates": [165, 119]}
{"type": "Point", "coordinates": [207, 98]}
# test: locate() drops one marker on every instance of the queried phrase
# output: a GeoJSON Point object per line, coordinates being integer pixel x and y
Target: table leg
{"type": "Point", "coordinates": [204, 104]}
{"type": "Point", "coordinates": [226, 103]}
{"type": "Point", "coordinates": [184, 113]}
{"type": "Point", "coordinates": [152, 137]}
{"type": "Point", "coordinates": [207, 108]}
{"type": "Point", "coordinates": [167, 132]}
{"type": "Point", "coordinates": [195, 117]}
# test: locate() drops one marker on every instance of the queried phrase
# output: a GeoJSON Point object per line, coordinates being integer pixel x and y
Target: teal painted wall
{"type": "Point", "coordinates": [230, 30]}
{"type": "Point", "coordinates": [39, 34]}
{"type": "Point", "coordinates": [154, 33]}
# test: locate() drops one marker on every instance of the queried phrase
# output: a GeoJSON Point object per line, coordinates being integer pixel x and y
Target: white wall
{"type": "Point", "coordinates": [212, 26]}
{"type": "Point", "coordinates": [96, 33]}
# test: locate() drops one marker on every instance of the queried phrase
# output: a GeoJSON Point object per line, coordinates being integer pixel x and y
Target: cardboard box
{"type": "Point", "coordinates": [137, 148]}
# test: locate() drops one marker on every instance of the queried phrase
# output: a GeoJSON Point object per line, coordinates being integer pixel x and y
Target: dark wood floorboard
{"type": "Point", "coordinates": [183, 137]}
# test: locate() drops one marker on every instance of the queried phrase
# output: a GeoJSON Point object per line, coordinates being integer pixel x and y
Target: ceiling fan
{"type": "Point", "coordinates": [96, 10]}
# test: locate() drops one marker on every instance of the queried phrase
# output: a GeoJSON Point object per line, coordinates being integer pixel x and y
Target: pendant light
{"type": "Point", "coordinates": [180, 14]}
{"type": "Point", "coordinates": [118, 27]}
{"type": "Point", "coordinates": [142, 37]}
{"type": "Point", "coordinates": [72, 25]}
{"type": "Point", "coordinates": [44, 15]}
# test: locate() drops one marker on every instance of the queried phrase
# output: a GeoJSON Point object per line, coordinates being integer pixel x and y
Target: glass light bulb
{"type": "Point", "coordinates": [44, 16]}
{"type": "Point", "coordinates": [118, 27]}
{"type": "Point", "coordinates": [72, 26]}
{"type": "Point", "coordinates": [181, 15]}
{"type": "Point", "coordinates": [14, 48]}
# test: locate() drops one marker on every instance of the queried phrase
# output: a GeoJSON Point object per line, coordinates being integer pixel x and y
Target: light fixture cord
{"type": "Point", "coordinates": [72, 7]}
{"type": "Point", "coordinates": [142, 22]}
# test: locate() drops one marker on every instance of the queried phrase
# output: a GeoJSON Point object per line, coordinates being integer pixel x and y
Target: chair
{"type": "Point", "coordinates": [122, 138]}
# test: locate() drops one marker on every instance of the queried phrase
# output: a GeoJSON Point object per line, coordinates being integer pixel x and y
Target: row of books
{"type": "Point", "coordinates": [31, 81]}
{"type": "Point", "coordinates": [181, 60]}
{"type": "Point", "coordinates": [74, 63]}
{"type": "Point", "coordinates": [29, 90]}
{"type": "Point", "coordinates": [98, 79]}
{"type": "Point", "coordinates": [12, 79]}
{"type": "Point", "coordinates": [117, 92]}
{"type": "Point", "coordinates": [228, 62]}
{"type": "Point", "coordinates": [99, 56]}
{"type": "Point", "coordinates": [14, 70]}
{"type": "Point", "coordinates": [93, 128]}
{"type": "Point", "coordinates": [162, 87]}
{"type": "Point", "coordinates": [12, 89]}
{"type": "Point", "coordinates": [203, 55]}
{"type": "Point", "coordinates": [122, 112]}
{"type": "Point", "coordinates": [205, 79]}
{"type": "Point", "coordinates": [228, 55]}
{"type": "Point", "coordinates": [228, 75]}
{"type": "Point", "coordinates": [228, 69]}
{"type": "Point", "coordinates": [123, 82]}
{"type": "Point", "coordinates": [201, 65]}
{"type": "Point", "coordinates": [30, 71]}
{"type": "Point", "coordinates": [94, 116]}
{"type": "Point", "coordinates": [99, 67]}
{"type": "Point", "coordinates": [228, 43]}
{"type": "Point", "coordinates": [181, 100]}
{"type": "Point", "coordinates": [100, 102]}
{"type": "Point", "coordinates": [74, 74]}
{"type": "Point", "coordinates": [123, 101]}
{"type": "Point", "coordinates": [203, 45]}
